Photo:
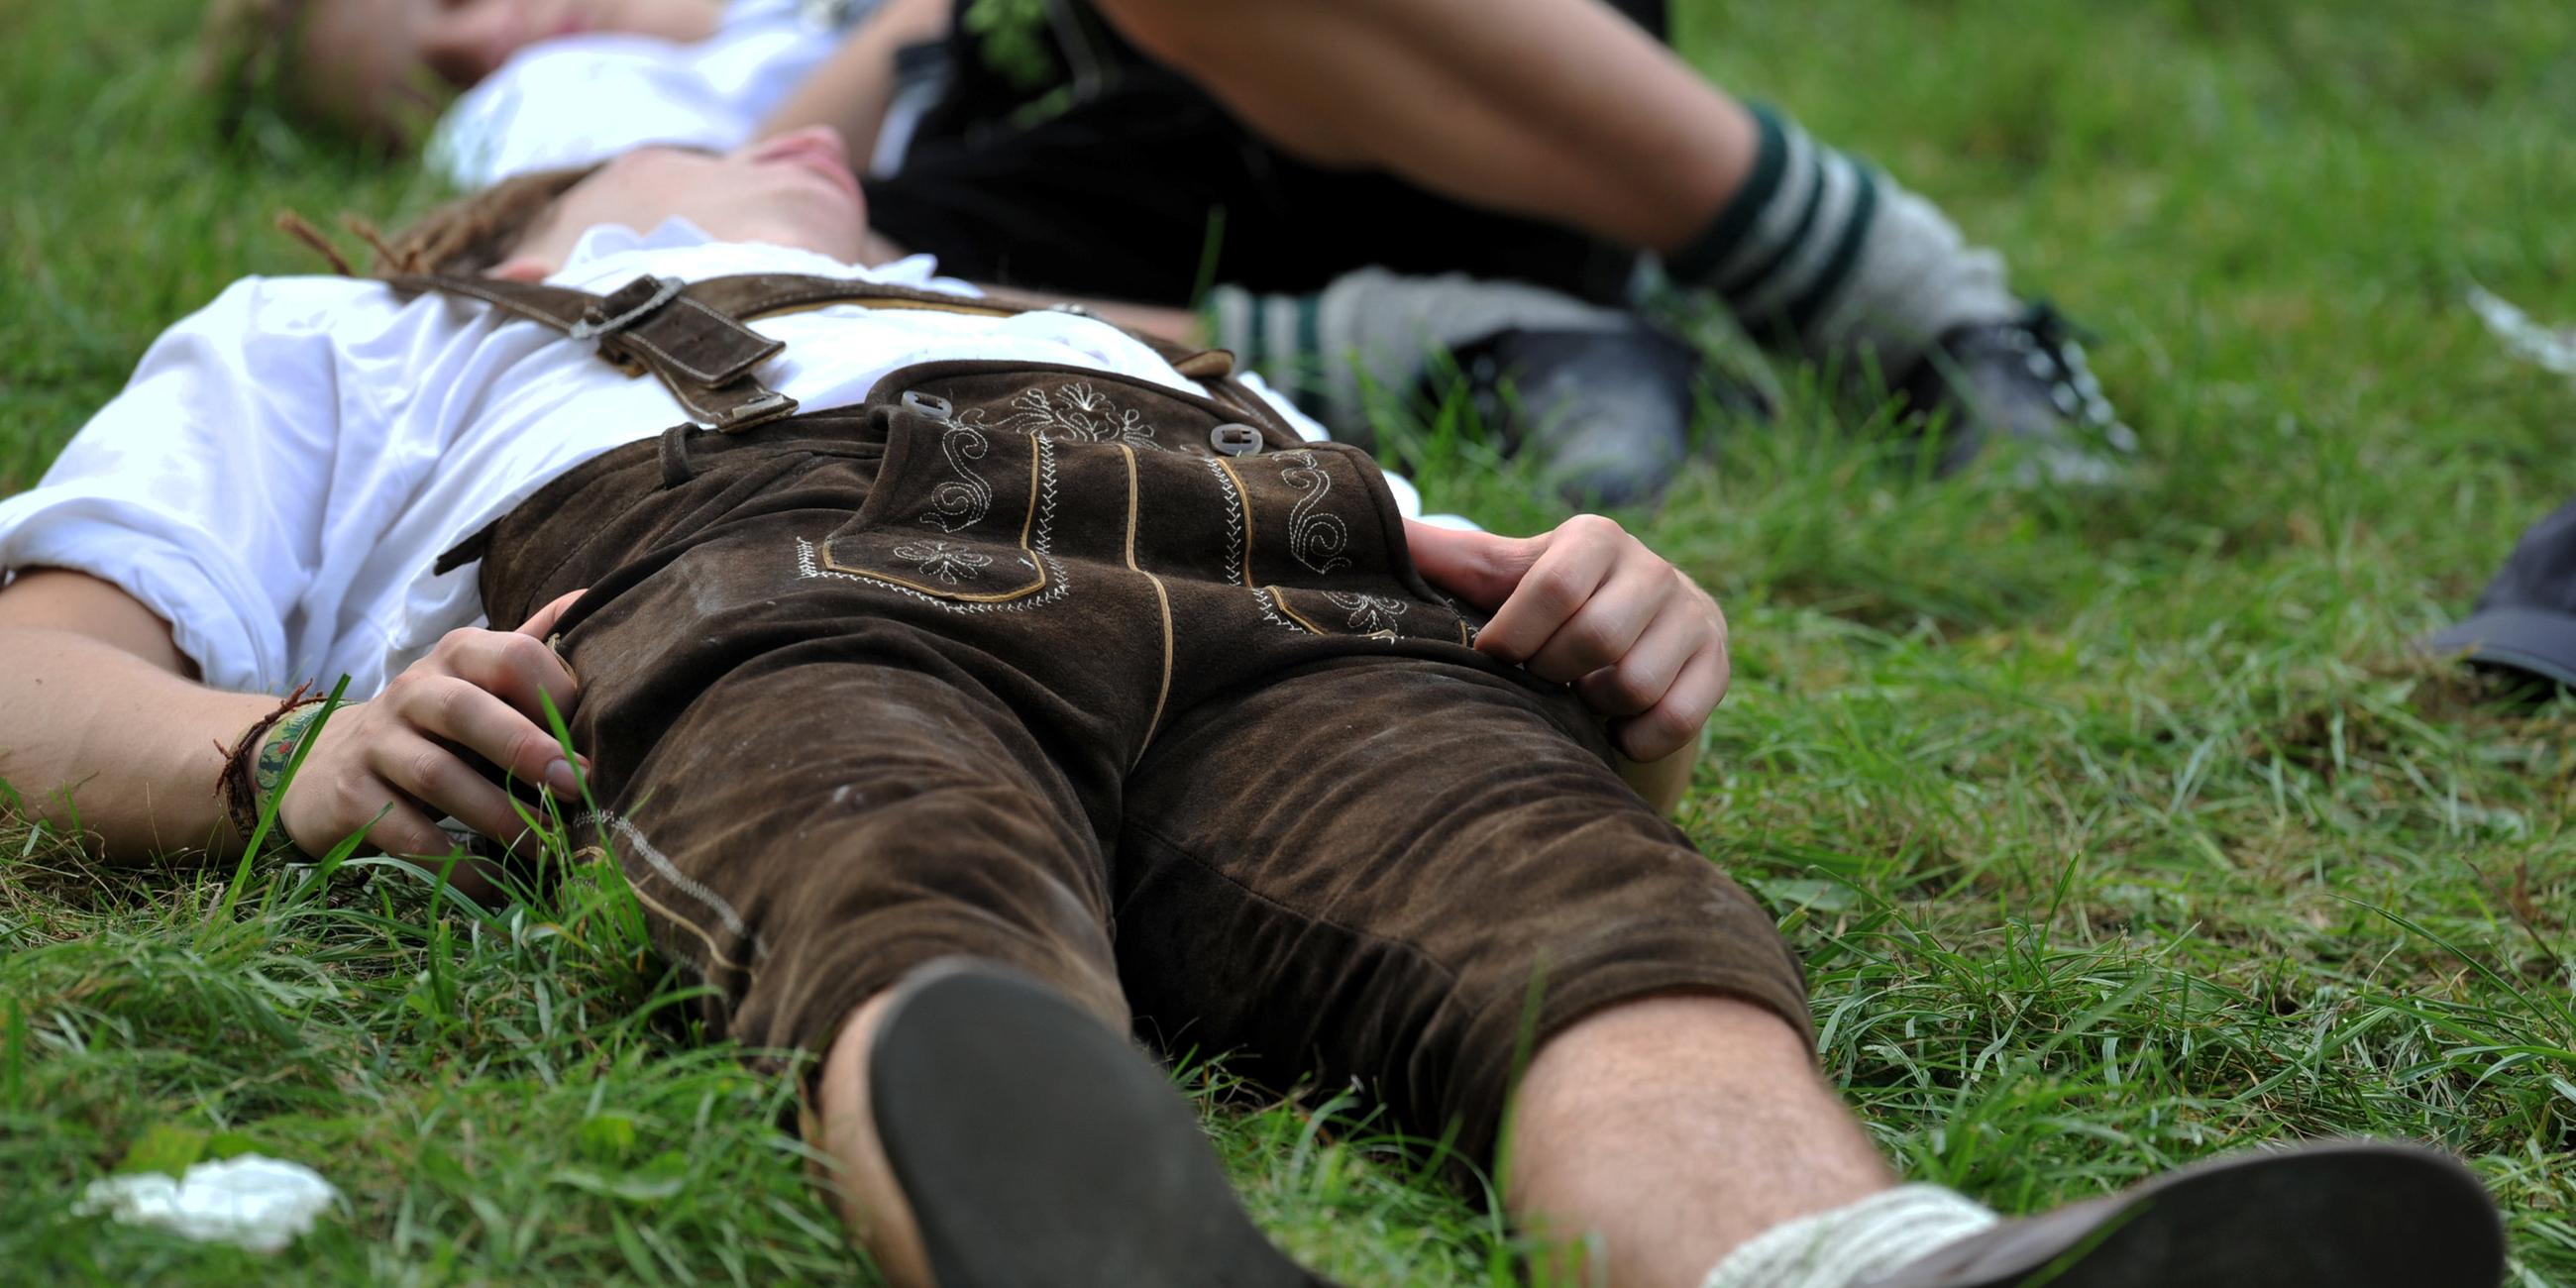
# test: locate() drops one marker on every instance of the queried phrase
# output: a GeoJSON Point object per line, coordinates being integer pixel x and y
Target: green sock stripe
{"type": "Point", "coordinates": [1802, 311]}
{"type": "Point", "coordinates": [1310, 346]}
{"type": "Point", "coordinates": [1252, 354]}
{"type": "Point", "coordinates": [1770, 164]}
{"type": "Point", "coordinates": [1744, 283]}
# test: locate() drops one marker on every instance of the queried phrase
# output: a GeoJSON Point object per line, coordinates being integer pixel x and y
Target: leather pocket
{"type": "Point", "coordinates": [1328, 548]}
{"type": "Point", "coordinates": [960, 511]}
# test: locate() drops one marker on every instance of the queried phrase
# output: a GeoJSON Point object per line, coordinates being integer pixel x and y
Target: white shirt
{"type": "Point", "coordinates": [579, 99]}
{"type": "Point", "coordinates": [286, 463]}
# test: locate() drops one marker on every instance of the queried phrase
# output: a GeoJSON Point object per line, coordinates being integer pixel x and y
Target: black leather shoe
{"type": "Point", "coordinates": [2021, 386]}
{"type": "Point", "coordinates": [2344, 1214]}
{"type": "Point", "coordinates": [1605, 414]}
{"type": "Point", "coordinates": [1039, 1149]}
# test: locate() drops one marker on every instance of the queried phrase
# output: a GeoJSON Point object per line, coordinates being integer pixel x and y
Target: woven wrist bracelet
{"type": "Point", "coordinates": [256, 764]}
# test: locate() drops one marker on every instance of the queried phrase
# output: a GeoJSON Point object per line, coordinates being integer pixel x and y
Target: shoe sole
{"type": "Point", "coordinates": [1039, 1150]}
{"type": "Point", "coordinates": [2347, 1214]}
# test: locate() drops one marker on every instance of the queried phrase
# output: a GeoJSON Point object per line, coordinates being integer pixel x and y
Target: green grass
{"type": "Point", "coordinates": [2117, 829]}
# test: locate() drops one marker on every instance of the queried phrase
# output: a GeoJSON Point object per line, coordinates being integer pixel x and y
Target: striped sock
{"type": "Point", "coordinates": [1835, 256]}
{"type": "Point", "coordinates": [1373, 327]}
{"type": "Point", "coordinates": [1850, 1244]}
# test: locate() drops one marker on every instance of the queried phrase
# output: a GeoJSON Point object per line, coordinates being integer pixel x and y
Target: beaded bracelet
{"type": "Point", "coordinates": [257, 762]}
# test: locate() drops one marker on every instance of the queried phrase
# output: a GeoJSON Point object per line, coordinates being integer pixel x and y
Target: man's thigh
{"type": "Point", "coordinates": [809, 830]}
{"type": "Point", "coordinates": [1412, 872]}
{"type": "Point", "coordinates": [810, 785]}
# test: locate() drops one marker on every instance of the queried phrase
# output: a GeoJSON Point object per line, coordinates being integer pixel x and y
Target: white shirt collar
{"type": "Point", "coordinates": [603, 240]}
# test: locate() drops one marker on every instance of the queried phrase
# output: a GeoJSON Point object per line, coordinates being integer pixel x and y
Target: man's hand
{"type": "Point", "coordinates": [397, 754]}
{"type": "Point", "coordinates": [1590, 606]}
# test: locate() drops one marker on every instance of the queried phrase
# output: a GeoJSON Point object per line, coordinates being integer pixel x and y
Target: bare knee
{"type": "Point", "coordinates": [1705, 1041]}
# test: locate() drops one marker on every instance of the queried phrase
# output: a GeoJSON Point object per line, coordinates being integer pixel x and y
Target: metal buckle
{"type": "Point", "coordinates": [759, 411]}
{"type": "Point", "coordinates": [665, 290]}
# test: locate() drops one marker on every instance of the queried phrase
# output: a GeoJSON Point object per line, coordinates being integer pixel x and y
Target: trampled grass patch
{"type": "Point", "coordinates": [2118, 828]}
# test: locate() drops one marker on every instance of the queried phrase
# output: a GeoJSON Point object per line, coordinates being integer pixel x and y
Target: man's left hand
{"type": "Point", "coordinates": [1590, 606]}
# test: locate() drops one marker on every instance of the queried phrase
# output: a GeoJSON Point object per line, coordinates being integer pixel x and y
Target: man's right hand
{"type": "Point", "coordinates": [390, 766]}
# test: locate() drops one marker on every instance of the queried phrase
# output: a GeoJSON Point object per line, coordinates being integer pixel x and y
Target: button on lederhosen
{"type": "Point", "coordinates": [1235, 439]}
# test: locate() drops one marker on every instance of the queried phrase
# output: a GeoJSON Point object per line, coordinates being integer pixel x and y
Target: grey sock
{"type": "Point", "coordinates": [1373, 327]}
{"type": "Point", "coordinates": [1838, 257]}
{"type": "Point", "coordinates": [1863, 1240]}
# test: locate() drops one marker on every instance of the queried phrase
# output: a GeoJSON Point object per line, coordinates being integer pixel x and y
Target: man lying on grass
{"type": "Point", "coordinates": [960, 685]}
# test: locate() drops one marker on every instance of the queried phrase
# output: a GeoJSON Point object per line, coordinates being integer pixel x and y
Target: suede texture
{"type": "Point", "coordinates": [1017, 663]}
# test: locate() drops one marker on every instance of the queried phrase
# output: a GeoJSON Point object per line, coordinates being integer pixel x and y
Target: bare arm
{"type": "Point", "coordinates": [851, 90]}
{"type": "Point", "coordinates": [100, 721]}
{"type": "Point", "coordinates": [99, 710]}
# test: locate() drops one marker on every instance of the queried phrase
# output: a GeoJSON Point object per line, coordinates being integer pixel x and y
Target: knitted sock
{"type": "Point", "coordinates": [1373, 326]}
{"type": "Point", "coordinates": [1837, 257]}
{"type": "Point", "coordinates": [1842, 1247]}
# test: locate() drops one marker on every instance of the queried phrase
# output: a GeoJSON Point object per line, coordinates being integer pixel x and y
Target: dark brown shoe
{"type": "Point", "coordinates": [2343, 1214]}
{"type": "Point", "coordinates": [1039, 1149]}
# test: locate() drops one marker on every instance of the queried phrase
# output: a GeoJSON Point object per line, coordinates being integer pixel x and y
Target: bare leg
{"type": "Point", "coordinates": [1672, 1130]}
{"type": "Point", "coordinates": [869, 1199]}
{"type": "Point", "coordinates": [1559, 109]}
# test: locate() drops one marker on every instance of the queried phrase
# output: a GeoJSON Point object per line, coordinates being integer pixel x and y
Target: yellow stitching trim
{"type": "Point", "coordinates": [1243, 494]}
{"type": "Point", "coordinates": [1028, 524]}
{"type": "Point", "coordinates": [1294, 615]}
{"type": "Point", "coordinates": [694, 929]}
{"type": "Point", "coordinates": [1162, 596]}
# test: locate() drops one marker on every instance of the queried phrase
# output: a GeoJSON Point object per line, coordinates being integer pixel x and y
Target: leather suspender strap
{"type": "Point", "coordinates": [754, 295]}
{"type": "Point", "coordinates": [694, 339]}
{"type": "Point", "coordinates": [702, 355]}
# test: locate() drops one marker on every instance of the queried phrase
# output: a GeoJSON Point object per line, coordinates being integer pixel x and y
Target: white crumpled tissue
{"type": "Point", "coordinates": [262, 1204]}
{"type": "Point", "coordinates": [2529, 340]}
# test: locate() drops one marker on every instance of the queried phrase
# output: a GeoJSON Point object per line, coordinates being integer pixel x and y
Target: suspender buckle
{"type": "Point", "coordinates": [634, 302]}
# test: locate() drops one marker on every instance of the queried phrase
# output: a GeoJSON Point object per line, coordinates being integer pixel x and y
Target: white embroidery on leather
{"type": "Point", "coordinates": [950, 564]}
{"type": "Point", "coordinates": [668, 871]}
{"type": "Point", "coordinates": [1372, 615]}
{"type": "Point", "coordinates": [961, 502]}
{"type": "Point", "coordinates": [1076, 412]}
{"type": "Point", "coordinates": [1234, 524]}
{"type": "Point", "coordinates": [1041, 545]}
{"type": "Point", "coordinates": [1058, 584]}
{"type": "Point", "coordinates": [1317, 540]}
{"type": "Point", "coordinates": [1267, 597]}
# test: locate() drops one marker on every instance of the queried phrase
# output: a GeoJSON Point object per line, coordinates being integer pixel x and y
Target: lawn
{"type": "Point", "coordinates": [2117, 828]}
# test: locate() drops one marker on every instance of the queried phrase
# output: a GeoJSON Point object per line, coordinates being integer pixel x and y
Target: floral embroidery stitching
{"type": "Point", "coordinates": [1041, 545]}
{"type": "Point", "coordinates": [1372, 615]}
{"type": "Point", "coordinates": [950, 564]}
{"type": "Point", "coordinates": [809, 565]}
{"type": "Point", "coordinates": [1081, 414]}
{"type": "Point", "coordinates": [961, 502]}
{"type": "Point", "coordinates": [1317, 540]}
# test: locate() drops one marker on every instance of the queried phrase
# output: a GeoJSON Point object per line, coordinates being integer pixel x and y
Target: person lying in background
{"type": "Point", "coordinates": [1044, 151]}
{"type": "Point", "coordinates": [910, 640]}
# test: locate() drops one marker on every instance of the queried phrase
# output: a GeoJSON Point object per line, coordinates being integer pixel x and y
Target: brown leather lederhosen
{"type": "Point", "coordinates": [1125, 686]}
